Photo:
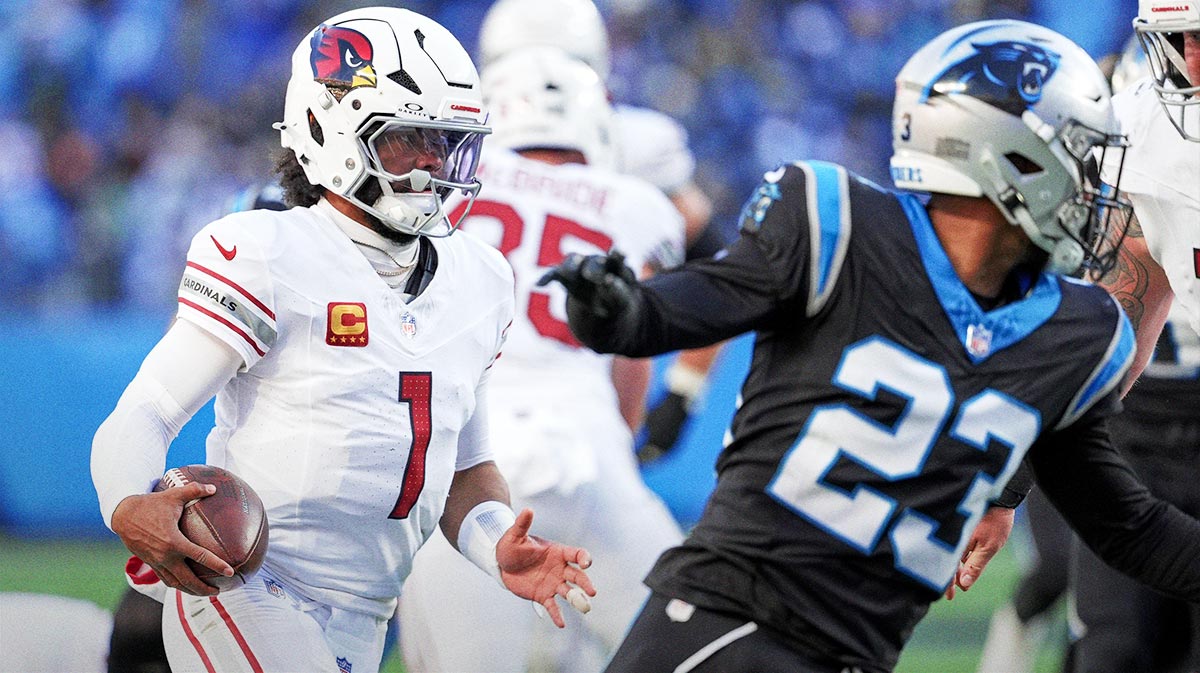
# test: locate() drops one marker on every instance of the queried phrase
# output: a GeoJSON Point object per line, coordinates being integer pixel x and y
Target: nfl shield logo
{"type": "Point", "coordinates": [408, 325]}
{"type": "Point", "coordinates": [273, 588]}
{"type": "Point", "coordinates": [343, 665]}
{"type": "Point", "coordinates": [979, 340]}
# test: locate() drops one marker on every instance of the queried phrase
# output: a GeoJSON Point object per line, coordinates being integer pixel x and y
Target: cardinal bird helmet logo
{"type": "Point", "coordinates": [342, 56]}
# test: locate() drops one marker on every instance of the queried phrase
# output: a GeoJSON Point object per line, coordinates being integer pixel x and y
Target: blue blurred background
{"type": "Point", "coordinates": [126, 125]}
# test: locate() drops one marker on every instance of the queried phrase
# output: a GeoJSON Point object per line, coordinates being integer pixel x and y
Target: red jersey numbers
{"type": "Point", "coordinates": [346, 324]}
{"type": "Point", "coordinates": [555, 231]}
{"type": "Point", "coordinates": [416, 390]}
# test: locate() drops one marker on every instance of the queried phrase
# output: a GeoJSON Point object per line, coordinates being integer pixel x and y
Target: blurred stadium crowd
{"type": "Point", "coordinates": [126, 125]}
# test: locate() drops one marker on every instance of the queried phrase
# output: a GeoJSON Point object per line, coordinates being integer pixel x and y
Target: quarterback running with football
{"type": "Point", "coordinates": [348, 341]}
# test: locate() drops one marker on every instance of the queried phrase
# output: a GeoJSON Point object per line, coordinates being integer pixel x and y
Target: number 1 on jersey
{"type": "Point", "coordinates": [416, 390]}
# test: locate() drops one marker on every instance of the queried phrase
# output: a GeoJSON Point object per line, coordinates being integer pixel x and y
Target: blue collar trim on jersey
{"type": "Point", "coordinates": [982, 333]}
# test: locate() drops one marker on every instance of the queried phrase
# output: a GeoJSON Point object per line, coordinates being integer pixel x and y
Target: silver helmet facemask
{"type": "Point", "coordinates": [1095, 219]}
{"type": "Point", "coordinates": [1179, 96]}
{"type": "Point", "coordinates": [414, 197]}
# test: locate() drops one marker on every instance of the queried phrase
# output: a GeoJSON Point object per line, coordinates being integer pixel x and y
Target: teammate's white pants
{"type": "Point", "coordinates": [266, 627]}
{"type": "Point", "coordinates": [456, 619]}
{"type": "Point", "coordinates": [40, 633]}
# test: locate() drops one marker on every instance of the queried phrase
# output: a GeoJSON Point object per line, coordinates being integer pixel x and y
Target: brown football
{"type": "Point", "coordinates": [230, 523]}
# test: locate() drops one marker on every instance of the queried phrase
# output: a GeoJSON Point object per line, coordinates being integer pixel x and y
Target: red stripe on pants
{"type": "Point", "coordinates": [237, 635]}
{"type": "Point", "coordinates": [187, 630]}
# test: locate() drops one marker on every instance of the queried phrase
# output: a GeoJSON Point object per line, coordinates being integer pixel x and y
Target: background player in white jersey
{"type": "Point", "coordinates": [561, 424]}
{"type": "Point", "coordinates": [1160, 259]}
{"type": "Point", "coordinates": [348, 342]}
{"type": "Point", "coordinates": [648, 144]}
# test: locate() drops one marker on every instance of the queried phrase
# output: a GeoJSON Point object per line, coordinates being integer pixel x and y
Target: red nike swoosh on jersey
{"type": "Point", "coordinates": [227, 254]}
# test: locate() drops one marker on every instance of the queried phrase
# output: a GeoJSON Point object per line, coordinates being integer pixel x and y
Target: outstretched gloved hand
{"type": "Point", "coordinates": [601, 290]}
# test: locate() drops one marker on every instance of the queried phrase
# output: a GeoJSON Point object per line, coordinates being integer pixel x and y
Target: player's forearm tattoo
{"type": "Point", "coordinates": [1129, 279]}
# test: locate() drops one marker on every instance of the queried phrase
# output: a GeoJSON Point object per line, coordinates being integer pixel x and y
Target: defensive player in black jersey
{"type": "Point", "coordinates": [909, 354]}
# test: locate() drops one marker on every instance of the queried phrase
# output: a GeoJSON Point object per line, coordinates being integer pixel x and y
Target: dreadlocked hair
{"type": "Point", "coordinates": [297, 190]}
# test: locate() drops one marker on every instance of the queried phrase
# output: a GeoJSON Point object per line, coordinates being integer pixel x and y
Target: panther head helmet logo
{"type": "Point", "coordinates": [1007, 74]}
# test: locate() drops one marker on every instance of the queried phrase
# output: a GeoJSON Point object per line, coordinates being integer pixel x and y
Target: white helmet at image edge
{"type": "Point", "coordinates": [1160, 26]}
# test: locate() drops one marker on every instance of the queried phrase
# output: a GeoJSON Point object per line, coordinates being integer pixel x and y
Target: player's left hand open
{"type": "Point", "coordinates": [539, 570]}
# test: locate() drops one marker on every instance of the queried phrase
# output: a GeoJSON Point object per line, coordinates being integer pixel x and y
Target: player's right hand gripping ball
{"type": "Point", "coordinates": [230, 523]}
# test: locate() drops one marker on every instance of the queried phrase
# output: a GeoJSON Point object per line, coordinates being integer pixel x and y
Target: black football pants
{"type": "Point", "coordinates": [679, 638]}
{"type": "Point", "coordinates": [1129, 627]}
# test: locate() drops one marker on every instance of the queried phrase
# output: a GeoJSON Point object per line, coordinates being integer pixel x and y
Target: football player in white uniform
{"type": "Point", "coordinates": [1160, 258]}
{"type": "Point", "coordinates": [348, 342]}
{"type": "Point", "coordinates": [649, 145]}
{"type": "Point", "coordinates": [561, 425]}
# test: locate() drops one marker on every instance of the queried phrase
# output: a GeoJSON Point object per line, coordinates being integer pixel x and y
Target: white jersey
{"type": "Point", "coordinates": [1162, 178]}
{"type": "Point", "coordinates": [347, 416]}
{"type": "Point", "coordinates": [536, 214]}
{"type": "Point", "coordinates": [653, 147]}
{"type": "Point", "coordinates": [556, 428]}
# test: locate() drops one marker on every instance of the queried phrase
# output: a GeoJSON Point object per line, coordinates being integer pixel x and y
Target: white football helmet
{"type": "Point", "coordinates": [542, 97]}
{"type": "Point", "coordinates": [575, 26]}
{"type": "Point", "coordinates": [385, 94]}
{"type": "Point", "coordinates": [1011, 111]}
{"type": "Point", "coordinates": [1160, 26]}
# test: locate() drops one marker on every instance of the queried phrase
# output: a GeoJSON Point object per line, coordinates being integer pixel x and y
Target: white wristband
{"type": "Point", "coordinates": [481, 529]}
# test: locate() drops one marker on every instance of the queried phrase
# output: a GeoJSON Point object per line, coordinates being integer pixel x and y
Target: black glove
{"type": "Point", "coordinates": [601, 290]}
{"type": "Point", "coordinates": [664, 423]}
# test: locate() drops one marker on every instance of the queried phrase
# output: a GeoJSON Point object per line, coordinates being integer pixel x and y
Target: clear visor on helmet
{"type": "Point", "coordinates": [449, 152]}
{"type": "Point", "coordinates": [418, 165]}
{"type": "Point", "coordinates": [1098, 215]}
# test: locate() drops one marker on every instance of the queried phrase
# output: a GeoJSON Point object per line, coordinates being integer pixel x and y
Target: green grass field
{"type": "Point", "coordinates": [948, 641]}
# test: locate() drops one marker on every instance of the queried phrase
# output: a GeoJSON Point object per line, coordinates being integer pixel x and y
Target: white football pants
{"type": "Point", "coordinates": [265, 627]}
